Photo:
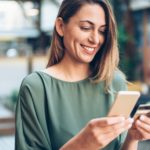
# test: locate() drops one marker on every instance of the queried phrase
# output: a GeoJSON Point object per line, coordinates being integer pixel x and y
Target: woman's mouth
{"type": "Point", "coordinates": [88, 50]}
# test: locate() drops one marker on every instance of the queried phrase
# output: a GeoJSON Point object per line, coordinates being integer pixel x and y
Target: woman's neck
{"type": "Point", "coordinates": [74, 71]}
{"type": "Point", "coordinates": [69, 70]}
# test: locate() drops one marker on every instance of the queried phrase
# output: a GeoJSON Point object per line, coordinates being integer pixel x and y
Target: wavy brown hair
{"type": "Point", "coordinates": [106, 60]}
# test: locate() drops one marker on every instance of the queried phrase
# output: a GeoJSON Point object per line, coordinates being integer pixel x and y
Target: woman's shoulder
{"type": "Point", "coordinates": [32, 80]}
{"type": "Point", "coordinates": [119, 81]}
{"type": "Point", "coordinates": [119, 76]}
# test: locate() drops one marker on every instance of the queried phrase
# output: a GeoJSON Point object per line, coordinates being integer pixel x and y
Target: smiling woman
{"type": "Point", "coordinates": [82, 48]}
{"type": "Point", "coordinates": [65, 106]}
{"type": "Point", "coordinates": [93, 32]}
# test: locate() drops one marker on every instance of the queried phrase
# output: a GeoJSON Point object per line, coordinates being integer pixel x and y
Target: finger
{"type": "Point", "coordinates": [109, 121]}
{"type": "Point", "coordinates": [112, 128]}
{"type": "Point", "coordinates": [118, 131]}
{"type": "Point", "coordinates": [110, 136]}
{"type": "Point", "coordinates": [145, 119]}
{"type": "Point", "coordinates": [115, 127]}
{"type": "Point", "coordinates": [142, 125]}
{"type": "Point", "coordinates": [144, 133]}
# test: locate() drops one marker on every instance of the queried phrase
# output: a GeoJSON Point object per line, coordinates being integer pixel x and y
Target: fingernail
{"type": "Point", "coordinates": [142, 117]}
{"type": "Point", "coordinates": [131, 120]}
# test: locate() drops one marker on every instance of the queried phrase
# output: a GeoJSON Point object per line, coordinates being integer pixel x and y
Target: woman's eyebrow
{"type": "Point", "coordinates": [90, 22]}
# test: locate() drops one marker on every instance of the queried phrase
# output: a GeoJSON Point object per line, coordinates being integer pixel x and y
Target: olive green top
{"type": "Point", "coordinates": [50, 111]}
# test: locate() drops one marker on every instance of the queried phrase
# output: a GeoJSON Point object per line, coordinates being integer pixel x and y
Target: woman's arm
{"type": "Point", "coordinates": [98, 133]}
{"type": "Point", "coordinates": [31, 132]}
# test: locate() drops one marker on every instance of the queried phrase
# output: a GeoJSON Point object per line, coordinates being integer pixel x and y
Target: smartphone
{"type": "Point", "coordinates": [143, 109]}
{"type": "Point", "coordinates": [124, 103]}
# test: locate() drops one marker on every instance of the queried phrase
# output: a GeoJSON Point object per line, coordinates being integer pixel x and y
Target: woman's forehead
{"type": "Point", "coordinates": [93, 13]}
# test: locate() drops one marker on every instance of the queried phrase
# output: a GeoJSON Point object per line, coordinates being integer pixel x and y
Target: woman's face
{"type": "Point", "coordinates": [84, 34]}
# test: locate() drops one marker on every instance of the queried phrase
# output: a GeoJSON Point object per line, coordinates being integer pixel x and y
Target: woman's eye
{"type": "Point", "coordinates": [85, 28]}
{"type": "Point", "coordinates": [102, 32]}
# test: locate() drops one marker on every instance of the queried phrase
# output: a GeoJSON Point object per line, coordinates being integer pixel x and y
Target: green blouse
{"type": "Point", "coordinates": [50, 111]}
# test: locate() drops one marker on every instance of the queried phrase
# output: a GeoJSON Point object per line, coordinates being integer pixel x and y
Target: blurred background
{"type": "Point", "coordinates": [25, 35]}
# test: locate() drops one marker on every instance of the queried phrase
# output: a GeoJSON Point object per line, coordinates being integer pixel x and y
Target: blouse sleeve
{"type": "Point", "coordinates": [31, 127]}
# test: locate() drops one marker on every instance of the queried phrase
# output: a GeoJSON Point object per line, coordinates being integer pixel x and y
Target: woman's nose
{"type": "Point", "coordinates": [94, 38]}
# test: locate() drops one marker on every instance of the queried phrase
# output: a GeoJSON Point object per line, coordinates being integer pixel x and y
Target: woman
{"type": "Point", "coordinates": [65, 106]}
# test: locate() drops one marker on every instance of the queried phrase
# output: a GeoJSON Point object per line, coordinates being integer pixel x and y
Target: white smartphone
{"type": "Point", "coordinates": [124, 103]}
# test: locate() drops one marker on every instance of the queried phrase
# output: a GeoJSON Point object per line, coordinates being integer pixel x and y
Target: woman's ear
{"type": "Point", "coordinates": [59, 24]}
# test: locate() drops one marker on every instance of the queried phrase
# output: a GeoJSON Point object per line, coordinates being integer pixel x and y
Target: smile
{"type": "Point", "coordinates": [88, 50]}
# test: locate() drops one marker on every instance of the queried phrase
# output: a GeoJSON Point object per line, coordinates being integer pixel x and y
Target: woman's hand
{"type": "Point", "coordinates": [141, 129]}
{"type": "Point", "coordinates": [98, 133]}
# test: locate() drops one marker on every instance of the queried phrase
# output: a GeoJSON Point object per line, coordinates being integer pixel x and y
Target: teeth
{"type": "Point", "coordinates": [89, 48]}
